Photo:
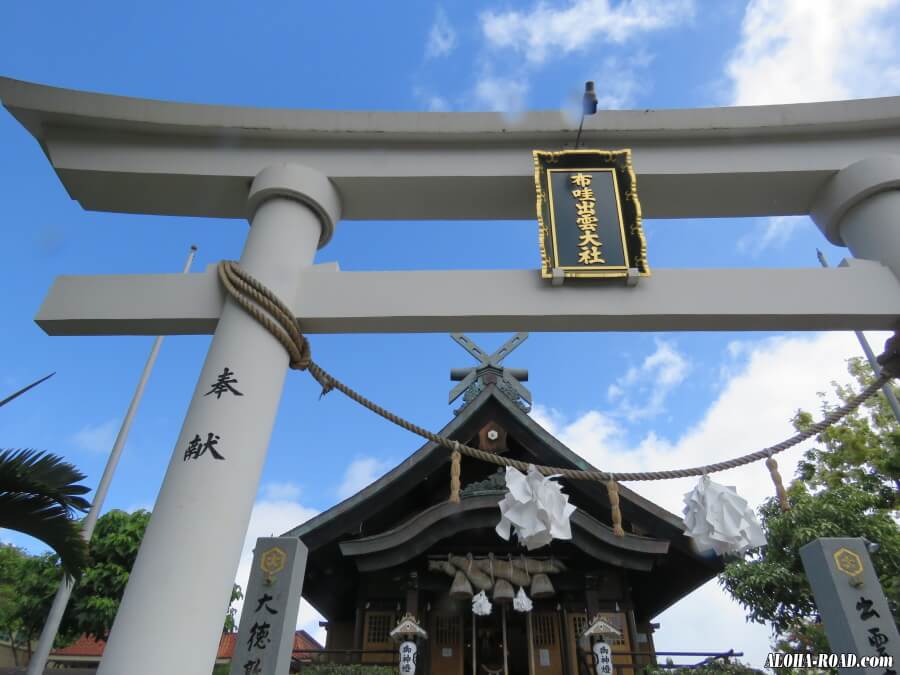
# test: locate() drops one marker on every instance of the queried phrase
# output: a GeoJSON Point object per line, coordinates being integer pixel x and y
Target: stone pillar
{"type": "Point", "coordinates": [171, 615]}
{"type": "Point", "coordinates": [859, 207]}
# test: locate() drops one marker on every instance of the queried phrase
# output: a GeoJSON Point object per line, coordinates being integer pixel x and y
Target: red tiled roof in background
{"type": "Point", "coordinates": [226, 646]}
{"type": "Point", "coordinates": [89, 647]}
{"type": "Point", "coordinates": [83, 646]}
{"type": "Point", "coordinates": [303, 640]}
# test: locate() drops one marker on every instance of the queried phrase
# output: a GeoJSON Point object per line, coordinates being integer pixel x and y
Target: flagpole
{"type": "Point", "coordinates": [61, 600]}
{"type": "Point", "coordinates": [870, 355]}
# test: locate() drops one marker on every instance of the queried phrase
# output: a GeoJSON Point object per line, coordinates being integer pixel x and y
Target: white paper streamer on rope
{"type": "Point", "coordinates": [522, 603]}
{"type": "Point", "coordinates": [718, 519]}
{"type": "Point", "coordinates": [536, 507]}
{"type": "Point", "coordinates": [481, 605]}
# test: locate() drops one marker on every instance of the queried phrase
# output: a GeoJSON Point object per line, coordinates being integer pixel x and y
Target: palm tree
{"type": "Point", "coordinates": [39, 496]}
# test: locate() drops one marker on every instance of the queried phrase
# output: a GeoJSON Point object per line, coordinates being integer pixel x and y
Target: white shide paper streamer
{"type": "Point", "coordinates": [536, 507]}
{"type": "Point", "coordinates": [719, 520]}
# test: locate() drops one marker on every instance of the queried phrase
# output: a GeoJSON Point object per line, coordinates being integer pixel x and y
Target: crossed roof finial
{"type": "Point", "coordinates": [490, 371]}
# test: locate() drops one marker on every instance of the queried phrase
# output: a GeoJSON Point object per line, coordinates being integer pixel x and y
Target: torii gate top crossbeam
{"type": "Point", "coordinates": [114, 153]}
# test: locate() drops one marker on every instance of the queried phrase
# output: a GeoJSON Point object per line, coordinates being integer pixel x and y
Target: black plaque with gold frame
{"type": "Point", "coordinates": [589, 215]}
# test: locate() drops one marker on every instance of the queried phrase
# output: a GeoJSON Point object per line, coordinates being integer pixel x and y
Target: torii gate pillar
{"type": "Point", "coordinates": [171, 615]}
{"type": "Point", "coordinates": [859, 207]}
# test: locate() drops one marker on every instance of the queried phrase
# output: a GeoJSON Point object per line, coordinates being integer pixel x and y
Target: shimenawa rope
{"type": "Point", "coordinates": [264, 306]}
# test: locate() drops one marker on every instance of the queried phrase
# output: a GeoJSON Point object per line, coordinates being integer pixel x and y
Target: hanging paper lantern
{"type": "Point", "coordinates": [481, 605]}
{"type": "Point", "coordinates": [522, 603]}
{"type": "Point", "coordinates": [719, 520]}
{"type": "Point", "coordinates": [602, 658]}
{"type": "Point", "coordinates": [408, 658]}
{"type": "Point", "coordinates": [536, 507]}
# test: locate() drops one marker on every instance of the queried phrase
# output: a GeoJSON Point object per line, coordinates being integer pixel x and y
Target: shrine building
{"type": "Point", "coordinates": [400, 547]}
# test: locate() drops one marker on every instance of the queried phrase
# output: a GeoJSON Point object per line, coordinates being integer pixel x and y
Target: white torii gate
{"type": "Point", "coordinates": [294, 174]}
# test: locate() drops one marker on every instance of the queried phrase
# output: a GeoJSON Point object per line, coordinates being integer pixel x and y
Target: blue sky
{"type": "Point", "coordinates": [638, 400]}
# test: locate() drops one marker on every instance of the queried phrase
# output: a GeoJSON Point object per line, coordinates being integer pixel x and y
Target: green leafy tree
{"type": "Point", "coordinates": [230, 624]}
{"type": "Point", "coordinates": [11, 562]}
{"type": "Point", "coordinates": [113, 550]}
{"type": "Point", "coordinates": [96, 597]}
{"type": "Point", "coordinates": [711, 667]}
{"type": "Point", "coordinates": [28, 596]}
{"type": "Point", "coordinates": [846, 486]}
{"type": "Point", "coordinates": [863, 450]}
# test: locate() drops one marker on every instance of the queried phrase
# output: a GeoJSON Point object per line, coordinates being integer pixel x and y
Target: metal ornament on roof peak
{"type": "Point", "coordinates": [472, 381]}
{"type": "Point", "coordinates": [589, 215]}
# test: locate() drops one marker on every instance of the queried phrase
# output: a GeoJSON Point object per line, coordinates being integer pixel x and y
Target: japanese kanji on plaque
{"type": "Point", "coordinates": [588, 213]}
{"type": "Point", "coordinates": [265, 638]}
{"type": "Point", "coordinates": [851, 601]}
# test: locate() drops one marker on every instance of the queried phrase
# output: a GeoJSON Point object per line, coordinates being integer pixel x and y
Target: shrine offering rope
{"type": "Point", "coordinates": [260, 303]}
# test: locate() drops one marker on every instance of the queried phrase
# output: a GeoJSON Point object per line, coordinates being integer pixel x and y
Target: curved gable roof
{"type": "Point", "coordinates": [430, 456]}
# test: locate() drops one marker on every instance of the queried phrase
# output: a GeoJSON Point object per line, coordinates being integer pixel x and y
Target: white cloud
{"type": "Point", "coordinates": [772, 232]}
{"type": "Point", "coordinates": [281, 491]}
{"type": "Point", "coordinates": [548, 29]}
{"type": "Point", "coordinates": [97, 438]}
{"type": "Point", "coordinates": [793, 51]}
{"type": "Point", "coordinates": [679, 627]}
{"type": "Point", "coordinates": [360, 473]}
{"type": "Point", "coordinates": [273, 517]}
{"type": "Point", "coordinates": [441, 37]}
{"type": "Point", "coordinates": [767, 382]}
{"type": "Point", "coordinates": [437, 104]}
{"type": "Point", "coordinates": [430, 101]}
{"type": "Point", "coordinates": [501, 94]}
{"type": "Point", "coordinates": [653, 380]}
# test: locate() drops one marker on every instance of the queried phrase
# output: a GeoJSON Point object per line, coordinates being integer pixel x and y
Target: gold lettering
{"type": "Point", "coordinates": [589, 239]}
{"type": "Point", "coordinates": [590, 256]}
{"type": "Point", "coordinates": [589, 243]}
{"type": "Point", "coordinates": [585, 193]}
{"type": "Point", "coordinates": [581, 179]}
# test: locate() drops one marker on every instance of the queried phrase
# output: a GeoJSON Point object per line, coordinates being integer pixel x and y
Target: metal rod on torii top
{"type": "Point", "coordinates": [870, 355]}
{"type": "Point", "coordinates": [48, 634]}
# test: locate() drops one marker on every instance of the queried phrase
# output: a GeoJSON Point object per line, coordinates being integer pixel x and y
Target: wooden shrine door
{"type": "Point", "coordinates": [623, 663]}
{"type": "Point", "coordinates": [447, 646]}
{"type": "Point", "coordinates": [545, 640]}
{"type": "Point", "coordinates": [377, 637]}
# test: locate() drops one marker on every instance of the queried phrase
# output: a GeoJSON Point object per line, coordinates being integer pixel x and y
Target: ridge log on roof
{"type": "Point", "coordinates": [115, 153]}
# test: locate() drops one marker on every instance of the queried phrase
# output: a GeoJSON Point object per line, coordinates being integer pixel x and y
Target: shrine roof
{"type": "Point", "coordinates": [404, 514]}
{"type": "Point", "coordinates": [424, 459]}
